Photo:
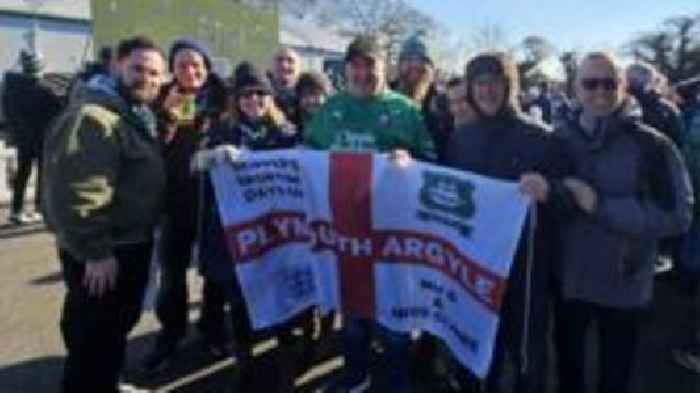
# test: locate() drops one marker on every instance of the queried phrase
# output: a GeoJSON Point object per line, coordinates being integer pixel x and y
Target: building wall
{"type": "Point", "coordinates": [63, 43]}
{"type": "Point", "coordinates": [232, 31]}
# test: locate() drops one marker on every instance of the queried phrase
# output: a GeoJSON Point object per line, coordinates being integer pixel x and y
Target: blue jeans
{"type": "Point", "coordinates": [357, 335]}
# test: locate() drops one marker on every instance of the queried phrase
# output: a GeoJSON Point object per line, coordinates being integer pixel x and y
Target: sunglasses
{"type": "Point", "coordinates": [608, 84]}
{"type": "Point", "coordinates": [256, 92]}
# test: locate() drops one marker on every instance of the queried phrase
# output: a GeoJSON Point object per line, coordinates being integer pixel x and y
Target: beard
{"type": "Point", "coordinates": [138, 91]}
{"type": "Point", "coordinates": [367, 86]}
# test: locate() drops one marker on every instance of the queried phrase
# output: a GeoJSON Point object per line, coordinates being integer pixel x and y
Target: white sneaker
{"type": "Point", "coordinates": [35, 217]}
{"type": "Point", "coordinates": [21, 218]}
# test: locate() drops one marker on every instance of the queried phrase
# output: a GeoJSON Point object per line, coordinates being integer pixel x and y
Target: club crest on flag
{"type": "Point", "coordinates": [447, 200]}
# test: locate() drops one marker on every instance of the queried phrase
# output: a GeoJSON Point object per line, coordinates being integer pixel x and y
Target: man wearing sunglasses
{"type": "Point", "coordinates": [631, 188]}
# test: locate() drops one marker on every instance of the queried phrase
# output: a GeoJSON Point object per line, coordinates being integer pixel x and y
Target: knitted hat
{"type": "Point", "coordinates": [368, 46]}
{"type": "Point", "coordinates": [247, 76]}
{"type": "Point", "coordinates": [311, 81]}
{"type": "Point", "coordinates": [189, 43]}
{"type": "Point", "coordinates": [415, 46]}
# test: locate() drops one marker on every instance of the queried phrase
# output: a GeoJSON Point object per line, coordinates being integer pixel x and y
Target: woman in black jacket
{"type": "Point", "coordinates": [252, 122]}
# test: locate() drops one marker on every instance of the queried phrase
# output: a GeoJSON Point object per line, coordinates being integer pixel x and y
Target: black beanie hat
{"type": "Point", "coordinates": [189, 43]}
{"type": "Point", "coordinates": [247, 76]}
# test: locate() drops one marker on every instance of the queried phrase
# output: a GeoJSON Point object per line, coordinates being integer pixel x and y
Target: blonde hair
{"type": "Point", "coordinates": [273, 115]}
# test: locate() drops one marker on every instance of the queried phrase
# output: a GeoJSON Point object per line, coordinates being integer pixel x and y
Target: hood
{"type": "Point", "coordinates": [497, 63]}
{"type": "Point", "coordinates": [103, 83]}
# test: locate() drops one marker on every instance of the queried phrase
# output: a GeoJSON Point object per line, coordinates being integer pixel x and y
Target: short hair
{"type": "Point", "coordinates": [605, 56]}
{"type": "Point", "coordinates": [139, 42]}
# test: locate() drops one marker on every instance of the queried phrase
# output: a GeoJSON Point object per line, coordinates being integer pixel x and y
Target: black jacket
{"type": "Point", "coordinates": [661, 115]}
{"type": "Point", "coordinates": [505, 148]}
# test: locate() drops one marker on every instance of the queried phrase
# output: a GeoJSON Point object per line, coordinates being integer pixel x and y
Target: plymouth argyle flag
{"type": "Point", "coordinates": [413, 247]}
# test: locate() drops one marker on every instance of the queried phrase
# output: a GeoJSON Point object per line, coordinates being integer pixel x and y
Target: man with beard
{"type": "Point", "coordinates": [417, 82]}
{"type": "Point", "coordinates": [104, 182]}
{"type": "Point", "coordinates": [185, 108]}
{"type": "Point", "coordinates": [370, 117]}
{"type": "Point", "coordinates": [505, 144]}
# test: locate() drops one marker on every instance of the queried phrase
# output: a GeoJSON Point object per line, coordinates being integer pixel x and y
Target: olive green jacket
{"type": "Point", "coordinates": [103, 176]}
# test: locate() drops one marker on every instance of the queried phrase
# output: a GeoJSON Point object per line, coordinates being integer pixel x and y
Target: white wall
{"type": "Point", "coordinates": [65, 8]}
{"type": "Point", "coordinates": [63, 44]}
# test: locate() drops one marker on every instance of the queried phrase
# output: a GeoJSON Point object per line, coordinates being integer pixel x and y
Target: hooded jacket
{"type": "Point", "coordinates": [506, 146]}
{"type": "Point", "coordinates": [103, 176]}
{"type": "Point", "coordinates": [644, 194]}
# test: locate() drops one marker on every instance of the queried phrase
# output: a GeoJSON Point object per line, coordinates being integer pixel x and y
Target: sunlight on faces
{"type": "Point", "coordinates": [254, 103]}
{"type": "Point", "coordinates": [365, 75]}
{"type": "Point", "coordinates": [600, 87]}
{"type": "Point", "coordinates": [142, 74]}
{"type": "Point", "coordinates": [457, 101]}
{"type": "Point", "coordinates": [287, 66]}
{"type": "Point", "coordinates": [413, 68]}
{"type": "Point", "coordinates": [489, 93]}
{"type": "Point", "coordinates": [190, 70]}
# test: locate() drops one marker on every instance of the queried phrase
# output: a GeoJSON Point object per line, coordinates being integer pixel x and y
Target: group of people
{"type": "Point", "coordinates": [128, 153]}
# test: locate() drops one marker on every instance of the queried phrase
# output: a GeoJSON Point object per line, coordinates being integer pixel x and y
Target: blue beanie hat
{"type": "Point", "coordinates": [189, 43]}
{"type": "Point", "coordinates": [416, 46]}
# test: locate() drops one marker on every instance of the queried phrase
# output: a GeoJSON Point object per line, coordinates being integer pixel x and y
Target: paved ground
{"type": "Point", "coordinates": [31, 351]}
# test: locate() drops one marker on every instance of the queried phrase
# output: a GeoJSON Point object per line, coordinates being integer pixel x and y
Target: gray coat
{"type": "Point", "coordinates": [644, 194]}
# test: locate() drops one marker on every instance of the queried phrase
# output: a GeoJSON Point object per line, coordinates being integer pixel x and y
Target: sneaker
{"type": "Point", "coordinates": [161, 356]}
{"type": "Point", "coordinates": [35, 217]}
{"type": "Point", "coordinates": [687, 359]}
{"type": "Point", "coordinates": [20, 218]}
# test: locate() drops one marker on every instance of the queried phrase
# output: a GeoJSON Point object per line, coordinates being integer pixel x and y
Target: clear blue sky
{"type": "Point", "coordinates": [568, 24]}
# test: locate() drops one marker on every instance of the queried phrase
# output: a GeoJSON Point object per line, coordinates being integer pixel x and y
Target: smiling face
{"type": "Point", "coordinates": [253, 102]}
{"type": "Point", "coordinates": [286, 67]}
{"type": "Point", "coordinates": [142, 74]}
{"type": "Point", "coordinates": [412, 69]}
{"type": "Point", "coordinates": [189, 69]}
{"type": "Point", "coordinates": [365, 75]}
{"type": "Point", "coordinates": [600, 88]}
{"type": "Point", "coordinates": [489, 93]}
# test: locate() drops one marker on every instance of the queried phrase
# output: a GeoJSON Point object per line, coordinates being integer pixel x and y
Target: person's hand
{"type": "Point", "coordinates": [173, 100]}
{"type": "Point", "coordinates": [535, 186]}
{"type": "Point", "coordinates": [400, 157]}
{"type": "Point", "coordinates": [585, 196]}
{"type": "Point", "coordinates": [100, 276]}
{"type": "Point", "coordinates": [205, 159]}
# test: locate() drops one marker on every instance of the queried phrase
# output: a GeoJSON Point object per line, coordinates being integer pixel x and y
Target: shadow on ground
{"type": "Point", "coordinates": [195, 371]}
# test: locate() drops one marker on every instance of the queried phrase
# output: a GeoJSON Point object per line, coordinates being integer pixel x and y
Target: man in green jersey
{"type": "Point", "coordinates": [367, 116]}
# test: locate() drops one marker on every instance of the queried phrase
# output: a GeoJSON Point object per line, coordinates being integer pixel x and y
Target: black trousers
{"type": "Point", "coordinates": [172, 303]}
{"type": "Point", "coordinates": [618, 339]}
{"type": "Point", "coordinates": [95, 329]}
{"type": "Point", "coordinates": [25, 157]}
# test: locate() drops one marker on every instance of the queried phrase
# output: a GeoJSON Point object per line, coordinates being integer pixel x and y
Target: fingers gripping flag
{"type": "Point", "coordinates": [414, 247]}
